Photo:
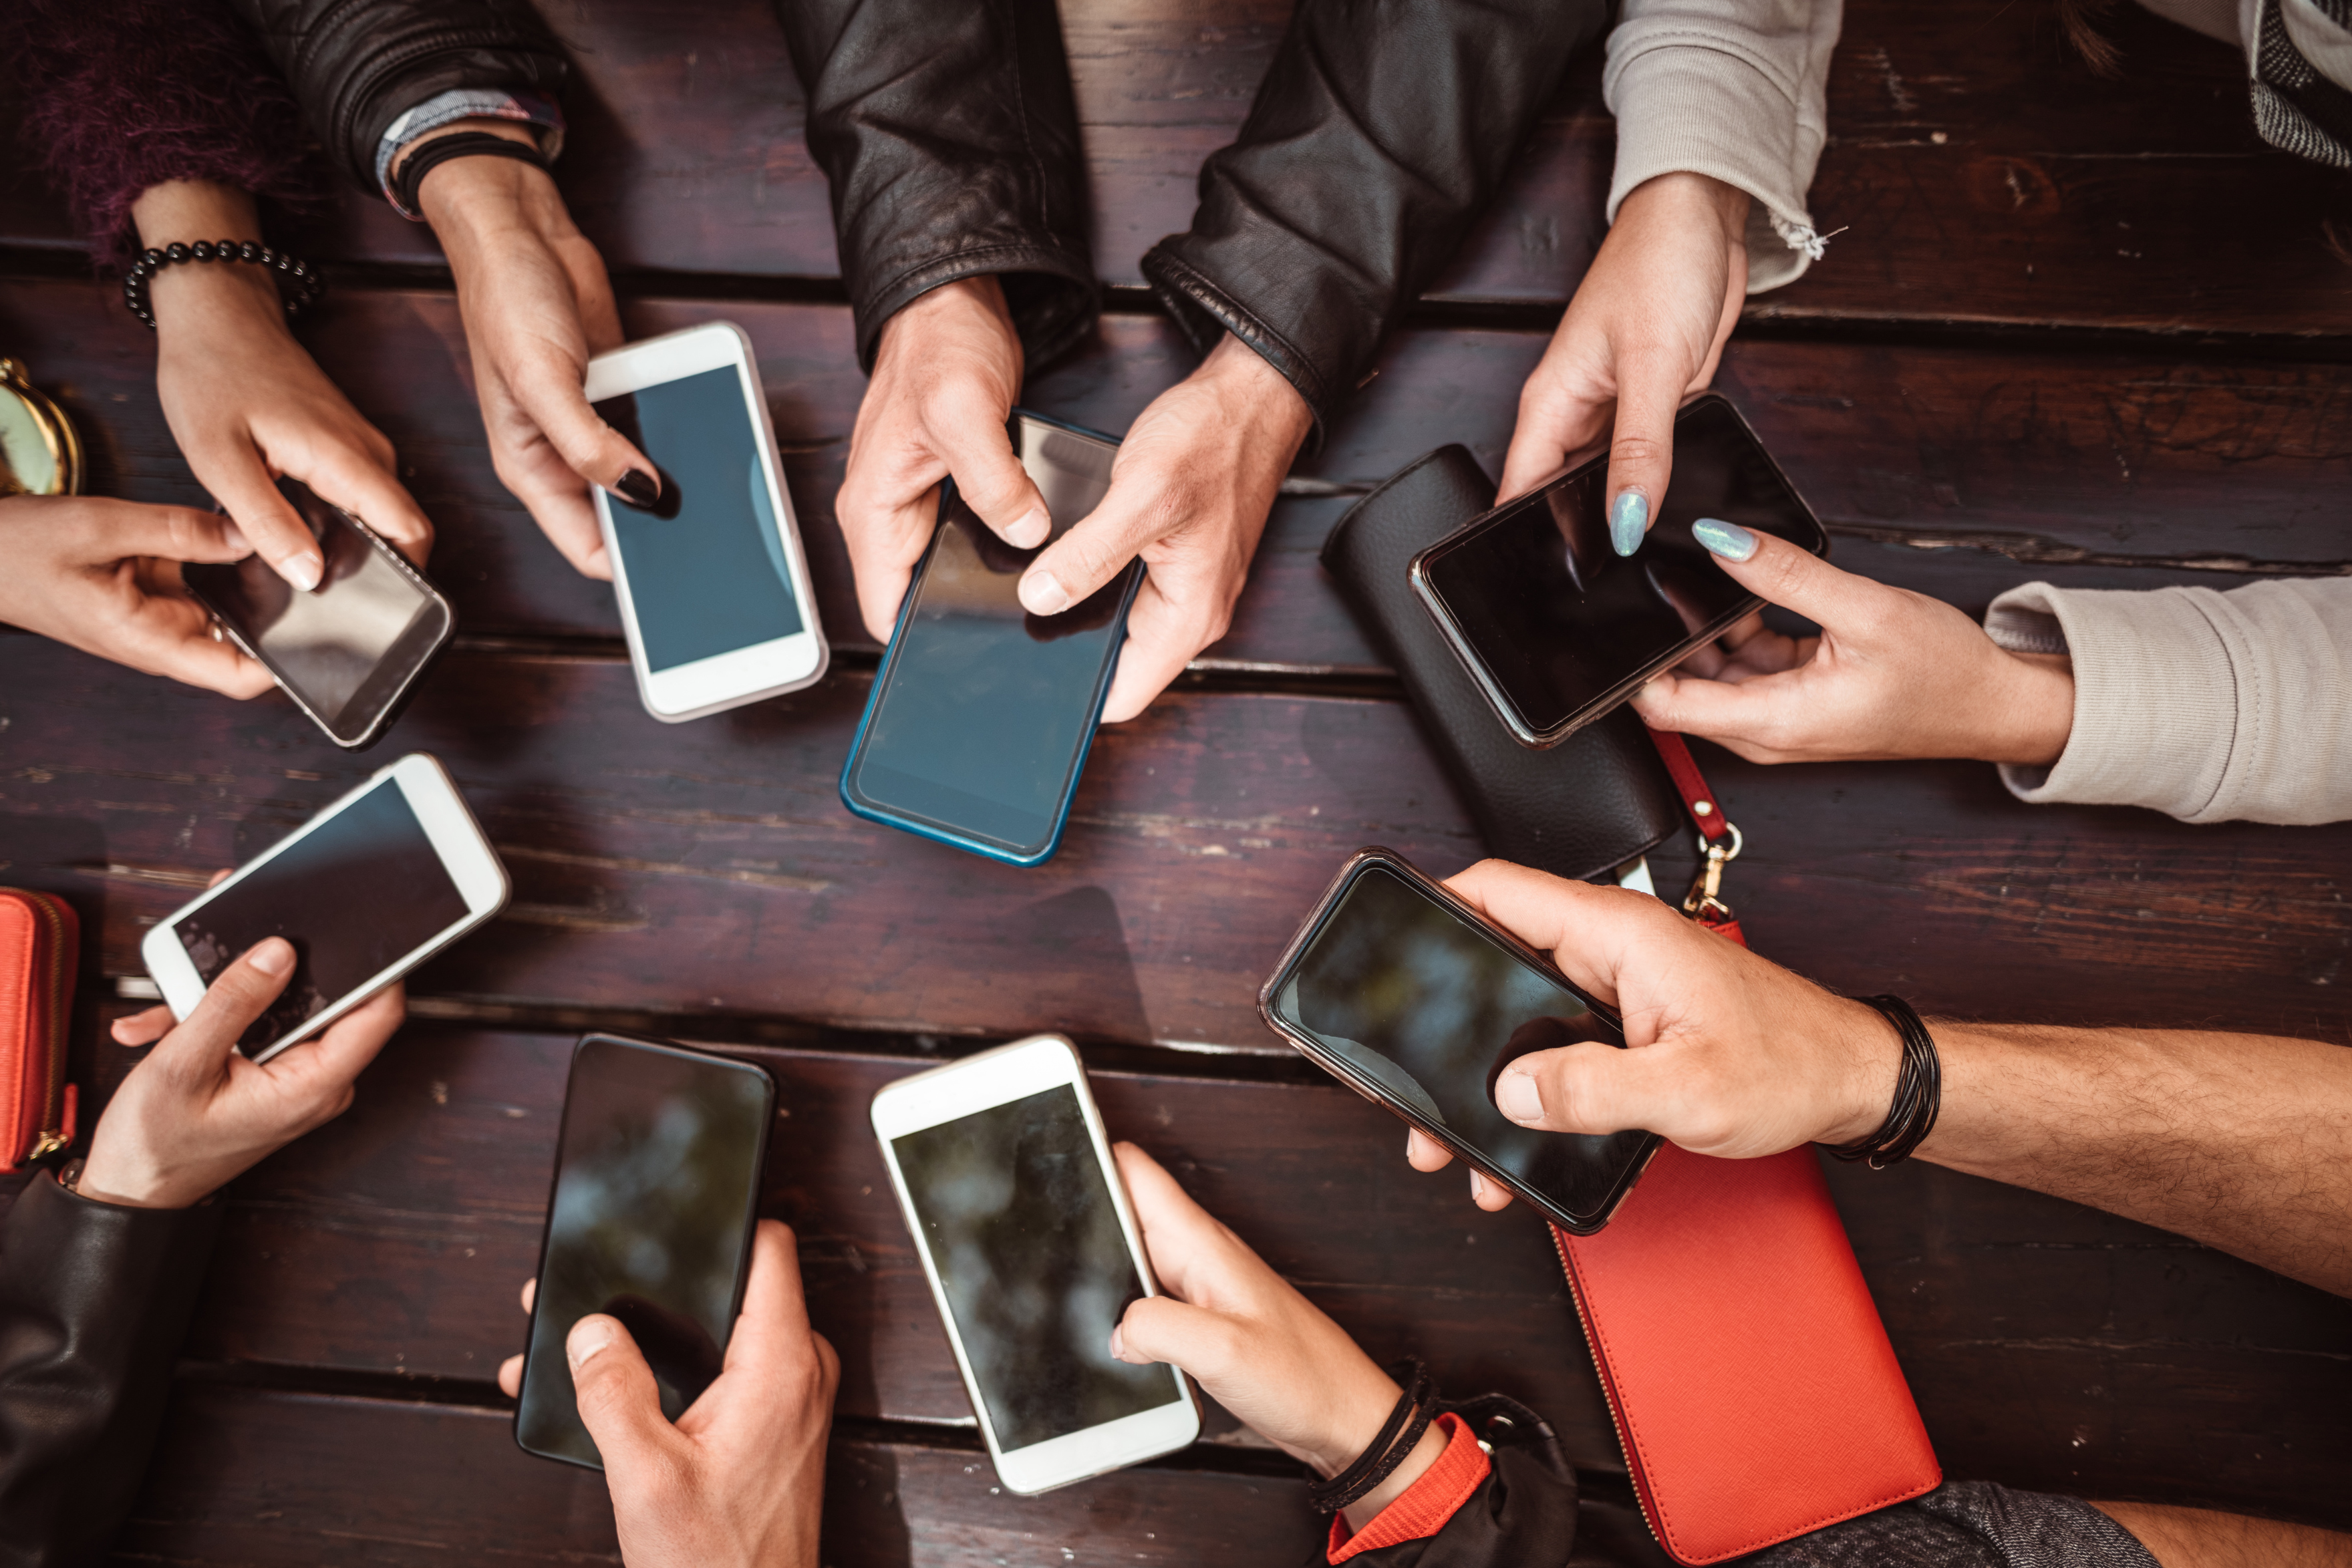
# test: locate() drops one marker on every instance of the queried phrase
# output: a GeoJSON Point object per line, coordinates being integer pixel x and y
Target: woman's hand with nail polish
{"type": "Point", "coordinates": [104, 576]}
{"type": "Point", "coordinates": [947, 371]}
{"type": "Point", "coordinates": [1892, 675]}
{"type": "Point", "coordinates": [1727, 1053]}
{"type": "Point", "coordinates": [1190, 492]}
{"type": "Point", "coordinates": [1643, 333]}
{"type": "Point", "coordinates": [245, 402]}
{"type": "Point", "coordinates": [1245, 1335]}
{"type": "Point", "coordinates": [537, 305]}
{"type": "Point", "coordinates": [194, 1112]}
{"type": "Point", "coordinates": [739, 1482]}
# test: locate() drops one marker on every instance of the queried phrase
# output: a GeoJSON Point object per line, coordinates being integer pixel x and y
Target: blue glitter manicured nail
{"type": "Point", "coordinates": [1628, 520]}
{"type": "Point", "coordinates": [1728, 541]}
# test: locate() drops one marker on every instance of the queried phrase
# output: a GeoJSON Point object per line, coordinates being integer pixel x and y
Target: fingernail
{"type": "Point", "coordinates": [1030, 530]}
{"type": "Point", "coordinates": [1629, 518]}
{"type": "Point", "coordinates": [1041, 595]}
{"type": "Point", "coordinates": [1651, 690]}
{"type": "Point", "coordinates": [234, 536]}
{"type": "Point", "coordinates": [1477, 1185]}
{"type": "Point", "coordinates": [274, 955]}
{"type": "Point", "coordinates": [301, 570]}
{"type": "Point", "coordinates": [1515, 1096]}
{"type": "Point", "coordinates": [1118, 1344]}
{"type": "Point", "coordinates": [637, 488]}
{"type": "Point", "coordinates": [1728, 541]}
{"type": "Point", "coordinates": [589, 1338]}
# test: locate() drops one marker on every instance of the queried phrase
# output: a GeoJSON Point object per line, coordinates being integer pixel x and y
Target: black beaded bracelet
{"type": "Point", "coordinates": [1919, 1092]}
{"type": "Point", "coordinates": [1415, 1408]}
{"type": "Point", "coordinates": [430, 155]}
{"type": "Point", "coordinates": [299, 283]}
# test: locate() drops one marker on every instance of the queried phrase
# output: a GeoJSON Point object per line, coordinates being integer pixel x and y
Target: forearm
{"type": "Point", "coordinates": [2200, 1538]}
{"type": "Point", "coordinates": [2242, 1142]}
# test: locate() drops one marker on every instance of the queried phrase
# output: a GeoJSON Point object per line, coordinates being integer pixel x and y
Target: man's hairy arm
{"type": "Point", "coordinates": [2199, 1538]}
{"type": "Point", "coordinates": [2242, 1142]}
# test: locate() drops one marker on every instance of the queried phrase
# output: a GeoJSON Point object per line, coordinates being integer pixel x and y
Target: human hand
{"type": "Point", "coordinates": [195, 1114]}
{"type": "Point", "coordinates": [1190, 491]}
{"type": "Point", "coordinates": [1892, 674]}
{"type": "Point", "coordinates": [739, 1480]}
{"type": "Point", "coordinates": [947, 373]}
{"type": "Point", "coordinates": [1727, 1053]}
{"type": "Point", "coordinates": [104, 576]}
{"type": "Point", "coordinates": [536, 304]}
{"type": "Point", "coordinates": [247, 402]}
{"type": "Point", "coordinates": [1263, 1350]}
{"type": "Point", "coordinates": [1642, 333]}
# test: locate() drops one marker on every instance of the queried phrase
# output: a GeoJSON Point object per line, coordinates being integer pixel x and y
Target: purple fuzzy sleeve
{"type": "Point", "coordinates": [118, 95]}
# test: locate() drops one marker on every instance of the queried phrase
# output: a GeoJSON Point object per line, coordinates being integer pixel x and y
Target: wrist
{"type": "Point", "coordinates": [2029, 710]}
{"type": "Point", "coordinates": [1871, 1055]}
{"type": "Point", "coordinates": [1258, 396]}
{"type": "Point", "coordinates": [102, 1181]}
{"type": "Point", "coordinates": [1685, 195]}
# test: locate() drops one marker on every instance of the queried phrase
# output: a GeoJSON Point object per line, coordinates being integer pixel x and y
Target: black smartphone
{"type": "Point", "coordinates": [350, 651]}
{"type": "Point", "coordinates": [655, 1196]}
{"type": "Point", "coordinates": [1556, 627]}
{"type": "Point", "coordinates": [981, 714]}
{"type": "Point", "coordinates": [1413, 1000]}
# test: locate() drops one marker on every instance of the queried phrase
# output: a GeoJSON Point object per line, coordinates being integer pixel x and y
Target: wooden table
{"type": "Point", "coordinates": [2081, 330]}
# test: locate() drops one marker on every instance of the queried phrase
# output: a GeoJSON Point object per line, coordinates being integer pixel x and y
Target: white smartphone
{"type": "Point", "coordinates": [366, 890]}
{"type": "Point", "coordinates": [714, 589]}
{"type": "Point", "coordinates": [1022, 1225]}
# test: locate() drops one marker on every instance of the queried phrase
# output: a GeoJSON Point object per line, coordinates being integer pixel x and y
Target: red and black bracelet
{"type": "Point", "coordinates": [299, 283]}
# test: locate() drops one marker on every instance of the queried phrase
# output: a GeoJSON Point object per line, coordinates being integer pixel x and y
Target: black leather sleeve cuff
{"type": "Point", "coordinates": [1284, 302]}
{"type": "Point", "coordinates": [1052, 294]}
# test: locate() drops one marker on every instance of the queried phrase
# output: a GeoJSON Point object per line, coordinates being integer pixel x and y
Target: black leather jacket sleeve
{"type": "Point", "coordinates": [950, 137]}
{"type": "Point", "coordinates": [1523, 1516]}
{"type": "Point", "coordinates": [356, 66]}
{"type": "Point", "coordinates": [94, 1302]}
{"type": "Point", "coordinates": [1380, 130]}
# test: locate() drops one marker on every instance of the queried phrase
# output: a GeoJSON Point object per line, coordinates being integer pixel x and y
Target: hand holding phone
{"type": "Point", "coordinates": [1266, 1353]}
{"type": "Point", "coordinates": [739, 1476]}
{"type": "Point", "coordinates": [194, 1113]}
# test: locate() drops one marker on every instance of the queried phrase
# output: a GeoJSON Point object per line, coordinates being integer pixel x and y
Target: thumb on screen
{"type": "Point", "coordinates": [619, 1403]}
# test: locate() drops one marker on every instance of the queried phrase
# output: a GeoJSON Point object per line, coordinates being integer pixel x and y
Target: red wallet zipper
{"type": "Point", "coordinates": [52, 1134]}
{"type": "Point", "coordinates": [1609, 1394]}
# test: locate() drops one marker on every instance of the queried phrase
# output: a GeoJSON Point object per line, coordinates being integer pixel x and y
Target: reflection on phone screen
{"type": "Point", "coordinates": [657, 1177]}
{"type": "Point", "coordinates": [1420, 1002]}
{"type": "Point", "coordinates": [363, 890]}
{"type": "Point", "coordinates": [986, 709]}
{"type": "Point", "coordinates": [1559, 619]}
{"type": "Point", "coordinates": [346, 647]}
{"type": "Point", "coordinates": [707, 570]}
{"type": "Point", "coordinates": [1018, 1219]}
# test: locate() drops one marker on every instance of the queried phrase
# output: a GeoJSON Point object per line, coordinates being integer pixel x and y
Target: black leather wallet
{"type": "Point", "coordinates": [1589, 804]}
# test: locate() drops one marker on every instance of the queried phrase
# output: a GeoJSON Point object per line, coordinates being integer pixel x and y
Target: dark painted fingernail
{"type": "Point", "coordinates": [1629, 519]}
{"type": "Point", "coordinates": [637, 488]}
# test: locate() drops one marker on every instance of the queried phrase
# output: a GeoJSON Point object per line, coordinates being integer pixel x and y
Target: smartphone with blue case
{"type": "Point", "coordinates": [982, 715]}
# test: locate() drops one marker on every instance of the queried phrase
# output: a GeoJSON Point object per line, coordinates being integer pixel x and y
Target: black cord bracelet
{"type": "Point", "coordinates": [431, 155]}
{"type": "Point", "coordinates": [1415, 1408]}
{"type": "Point", "coordinates": [1919, 1092]}
{"type": "Point", "coordinates": [299, 283]}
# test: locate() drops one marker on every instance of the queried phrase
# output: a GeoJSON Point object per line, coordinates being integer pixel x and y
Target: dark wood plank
{"type": "Point", "coordinates": [709, 869]}
{"type": "Point", "coordinates": [256, 1478]}
{"type": "Point", "coordinates": [2047, 1345]}
{"type": "Point", "coordinates": [2110, 461]}
{"type": "Point", "coordinates": [1979, 169]}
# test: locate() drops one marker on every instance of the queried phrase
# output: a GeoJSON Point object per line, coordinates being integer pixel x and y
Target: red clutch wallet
{"type": "Point", "coordinates": [1753, 1387]}
{"type": "Point", "coordinates": [39, 937]}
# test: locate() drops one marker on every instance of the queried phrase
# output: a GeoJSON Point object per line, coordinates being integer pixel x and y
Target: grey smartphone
{"type": "Point", "coordinates": [1555, 627]}
{"type": "Point", "coordinates": [351, 651]}
{"type": "Point", "coordinates": [657, 1193]}
{"type": "Point", "coordinates": [1417, 1002]}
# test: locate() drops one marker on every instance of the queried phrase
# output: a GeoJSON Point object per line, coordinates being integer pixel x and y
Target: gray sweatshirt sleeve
{"type": "Point", "coordinates": [2208, 706]}
{"type": "Point", "coordinates": [1736, 89]}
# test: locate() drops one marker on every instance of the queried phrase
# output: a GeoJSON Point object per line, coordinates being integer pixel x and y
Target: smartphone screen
{"type": "Point", "coordinates": [359, 892]}
{"type": "Point", "coordinates": [706, 567]}
{"type": "Point", "coordinates": [983, 713]}
{"type": "Point", "coordinates": [656, 1188]}
{"type": "Point", "coordinates": [1016, 1214]}
{"type": "Point", "coordinates": [1421, 1002]}
{"type": "Point", "coordinates": [347, 648]}
{"type": "Point", "coordinates": [1559, 620]}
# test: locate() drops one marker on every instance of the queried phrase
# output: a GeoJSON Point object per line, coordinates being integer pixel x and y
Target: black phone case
{"type": "Point", "coordinates": [1597, 800]}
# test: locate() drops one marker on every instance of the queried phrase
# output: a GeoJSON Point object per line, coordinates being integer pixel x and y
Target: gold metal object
{"type": "Point", "coordinates": [1706, 888]}
{"type": "Point", "coordinates": [40, 452]}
